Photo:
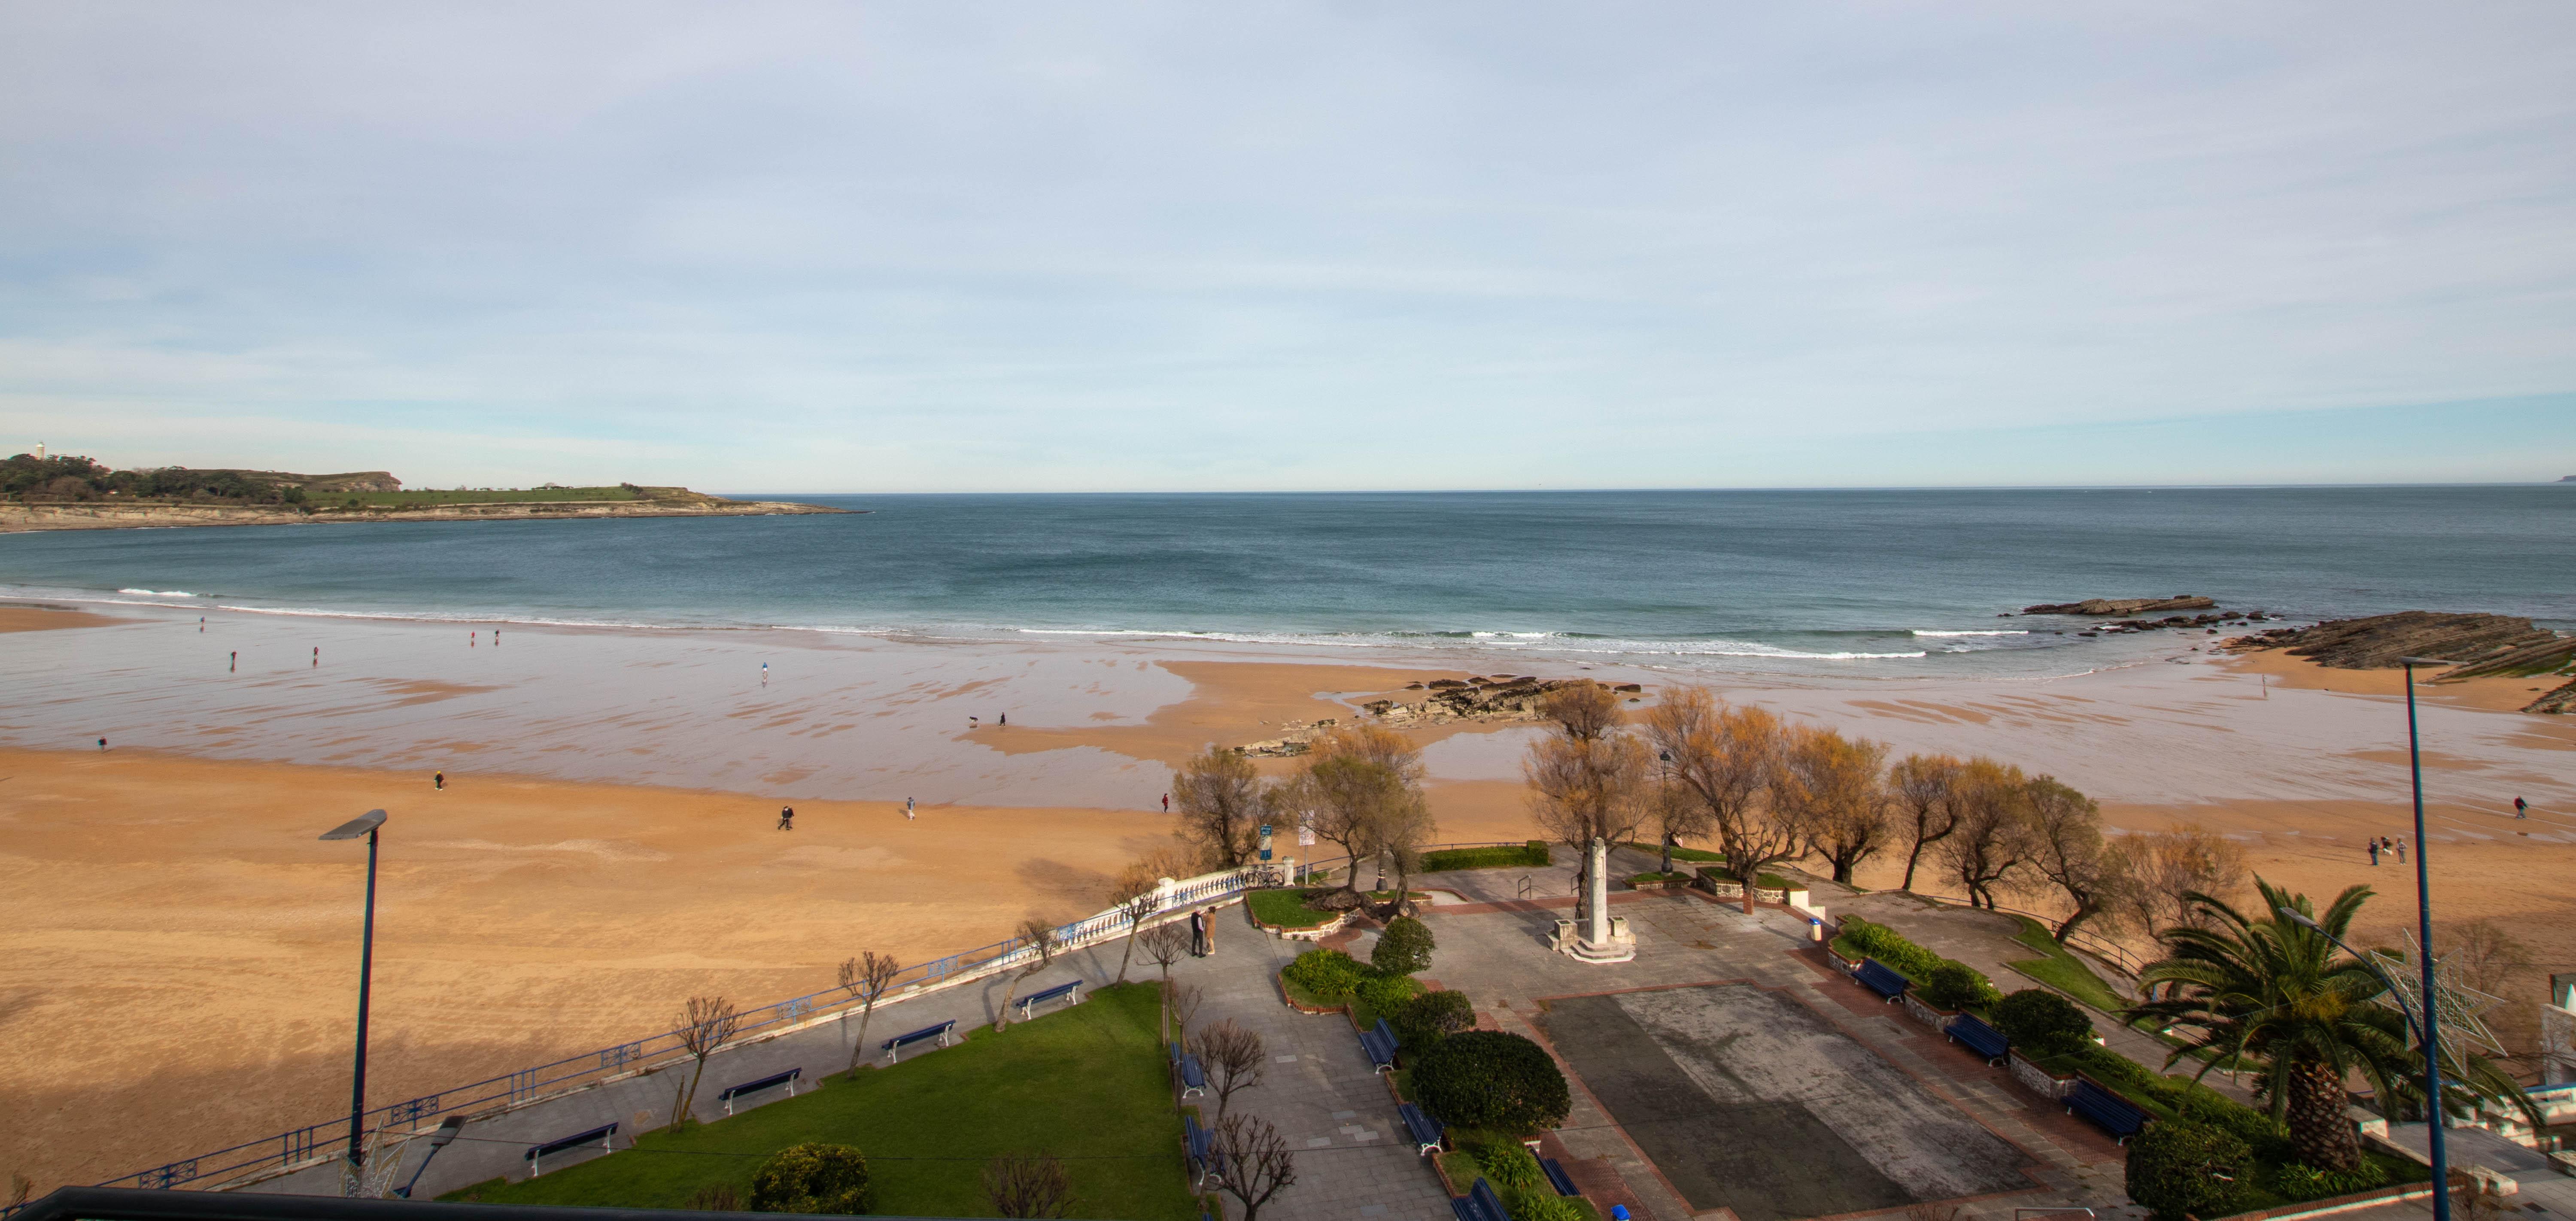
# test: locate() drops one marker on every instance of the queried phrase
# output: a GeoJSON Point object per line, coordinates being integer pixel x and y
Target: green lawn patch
{"type": "Point", "coordinates": [429, 496]}
{"type": "Point", "coordinates": [1088, 1084]}
{"type": "Point", "coordinates": [1702, 855]}
{"type": "Point", "coordinates": [1532, 855]}
{"type": "Point", "coordinates": [1650, 876]}
{"type": "Point", "coordinates": [1285, 907]}
{"type": "Point", "coordinates": [2059, 969]}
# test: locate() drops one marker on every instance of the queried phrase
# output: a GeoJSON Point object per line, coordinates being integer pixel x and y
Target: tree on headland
{"type": "Point", "coordinates": [1925, 789]}
{"type": "Point", "coordinates": [1724, 758]}
{"type": "Point", "coordinates": [867, 977]}
{"type": "Point", "coordinates": [707, 1023]}
{"type": "Point", "coordinates": [1037, 938]}
{"type": "Point", "coordinates": [1831, 790]}
{"type": "Point", "coordinates": [1221, 801]}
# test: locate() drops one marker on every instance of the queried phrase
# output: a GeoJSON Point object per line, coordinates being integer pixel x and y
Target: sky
{"type": "Point", "coordinates": [855, 247]}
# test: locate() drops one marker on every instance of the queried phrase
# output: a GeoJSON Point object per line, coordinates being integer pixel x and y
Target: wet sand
{"type": "Point", "coordinates": [180, 950]}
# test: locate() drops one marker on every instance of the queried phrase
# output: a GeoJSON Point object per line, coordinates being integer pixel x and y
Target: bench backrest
{"type": "Point", "coordinates": [923, 1033]}
{"type": "Point", "coordinates": [1386, 1032]}
{"type": "Point", "coordinates": [1971, 1027]}
{"type": "Point", "coordinates": [574, 1141]}
{"type": "Point", "coordinates": [1054, 992]}
{"type": "Point", "coordinates": [2103, 1098]}
{"type": "Point", "coordinates": [1487, 1205]}
{"type": "Point", "coordinates": [754, 1087]}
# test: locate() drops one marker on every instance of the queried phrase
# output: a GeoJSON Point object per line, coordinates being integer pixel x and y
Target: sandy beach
{"type": "Point", "coordinates": [181, 949]}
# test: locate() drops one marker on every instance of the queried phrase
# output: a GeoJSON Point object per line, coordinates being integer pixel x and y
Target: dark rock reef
{"type": "Point", "coordinates": [2121, 606]}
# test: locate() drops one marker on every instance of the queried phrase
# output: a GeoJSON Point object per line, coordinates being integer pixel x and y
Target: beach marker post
{"type": "Point", "coordinates": [367, 825]}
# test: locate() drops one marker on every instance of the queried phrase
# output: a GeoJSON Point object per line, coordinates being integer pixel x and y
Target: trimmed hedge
{"type": "Point", "coordinates": [1431, 1017]}
{"type": "Point", "coordinates": [2042, 1023]}
{"type": "Point", "coordinates": [1532, 855]}
{"type": "Point", "coordinates": [1404, 948]}
{"type": "Point", "coordinates": [1889, 946]}
{"type": "Point", "coordinates": [1386, 994]}
{"type": "Point", "coordinates": [1330, 976]}
{"type": "Point", "coordinates": [1768, 881]}
{"type": "Point", "coordinates": [1491, 1079]}
{"type": "Point", "coordinates": [1956, 985]}
{"type": "Point", "coordinates": [2178, 1169]}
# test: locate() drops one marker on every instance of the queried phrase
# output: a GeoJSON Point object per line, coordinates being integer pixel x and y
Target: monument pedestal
{"type": "Point", "coordinates": [1605, 938]}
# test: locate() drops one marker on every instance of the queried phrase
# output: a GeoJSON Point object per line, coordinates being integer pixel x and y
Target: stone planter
{"type": "Point", "coordinates": [2038, 1080]}
{"type": "Point", "coordinates": [1937, 1019]}
{"type": "Point", "coordinates": [1662, 884]}
{"type": "Point", "coordinates": [1316, 933]}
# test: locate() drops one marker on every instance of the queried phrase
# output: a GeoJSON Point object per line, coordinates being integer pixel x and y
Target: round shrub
{"type": "Point", "coordinates": [813, 1178]}
{"type": "Point", "coordinates": [1490, 1079]}
{"type": "Point", "coordinates": [1956, 985]}
{"type": "Point", "coordinates": [1388, 994]}
{"type": "Point", "coordinates": [1404, 948]}
{"type": "Point", "coordinates": [1329, 976]}
{"type": "Point", "coordinates": [2177, 1168]}
{"type": "Point", "coordinates": [2042, 1023]}
{"type": "Point", "coordinates": [1431, 1017]}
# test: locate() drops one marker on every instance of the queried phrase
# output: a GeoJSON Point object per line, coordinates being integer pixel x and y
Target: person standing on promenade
{"type": "Point", "coordinates": [2374, 852]}
{"type": "Point", "coordinates": [1208, 935]}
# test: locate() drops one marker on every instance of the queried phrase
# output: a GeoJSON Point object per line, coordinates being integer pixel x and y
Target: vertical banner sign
{"type": "Point", "coordinates": [1265, 841]}
{"type": "Point", "coordinates": [1305, 835]}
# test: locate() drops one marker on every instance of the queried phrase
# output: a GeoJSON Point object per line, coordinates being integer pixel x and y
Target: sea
{"type": "Point", "coordinates": [1872, 583]}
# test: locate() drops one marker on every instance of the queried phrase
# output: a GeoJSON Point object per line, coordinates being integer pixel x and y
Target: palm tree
{"type": "Point", "coordinates": [2282, 994]}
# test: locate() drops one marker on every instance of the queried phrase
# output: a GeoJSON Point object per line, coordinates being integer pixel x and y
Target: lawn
{"type": "Point", "coordinates": [1531, 855]}
{"type": "Point", "coordinates": [1702, 855]}
{"type": "Point", "coordinates": [1285, 907]}
{"type": "Point", "coordinates": [2062, 970]}
{"type": "Point", "coordinates": [1088, 1084]}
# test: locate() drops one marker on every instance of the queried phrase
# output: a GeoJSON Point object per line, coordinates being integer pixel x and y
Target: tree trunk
{"type": "Point", "coordinates": [1668, 854]}
{"type": "Point", "coordinates": [2320, 1127]}
{"type": "Point", "coordinates": [2084, 910]}
{"type": "Point", "coordinates": [1130, 954]}
{"type": "Point", "coordinates": [689, 1100]}
{"type": "Point", "coordinates": [1911, 858]}
{"type": "Point", "coordinates": [859, 1049]}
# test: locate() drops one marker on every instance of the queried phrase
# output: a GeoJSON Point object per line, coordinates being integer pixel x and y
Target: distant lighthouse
{"type": "Point", "coordinates": [40, 451]}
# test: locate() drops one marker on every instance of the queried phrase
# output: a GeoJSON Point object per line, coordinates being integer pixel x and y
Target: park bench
{"type": "Point", "coordinates": [1427, 1132]}
{"type": "Point", "coordinates": [772, 1081]}
{"type": "Point", "coordinates": [1480, 1204]}
{"type": "Point", "coordinates": [925, 1034]}
{"type": "Point", "coordinates": [1380, 1046]}
{"type": "Point", "coordinates": [538, 1153]}
{"type": "Point", "coordinates": [1059, 992]}
{"type": "Point", "coordinates": [2108, 1111]}
{"type": "Point", "coordinates": [1880, 978]}
{"type": "Point", "coordinates": [1205, 1161]}
{"type": "Point", "coordinates": [1186, 1067]}
{"type": "Point", "coordinates": [1558, 1178]}
{"type": "Point", "coordinates": [1970, 1031]}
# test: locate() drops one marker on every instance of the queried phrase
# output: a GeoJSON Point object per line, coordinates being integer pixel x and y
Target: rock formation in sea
{"type": "Point", "coordinates": [2121, 606]}
{"type": "Point", "coordinates": [2482, 645]}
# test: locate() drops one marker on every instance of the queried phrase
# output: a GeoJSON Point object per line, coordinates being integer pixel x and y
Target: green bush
{"type": "Point", "coordinates": [2186, 1099]}
{"type": "Point", "coordinates": [2300, 1181]}
{"type": "Point", "coordinates": [1404, 948]}
{"type": "Point", "coordinates": [1543, 1204]}
{"type": "Point", "coordinates": [2042, 1023]}
{"type": "Point", "coordinates": [813, 1178]}
{"type": "Point", "coordinates": [1387, 994]}
{"type": "Point", "coordinates": [2178, 1168]}
{"type": "Point", "coordinates": [1956, 985]}
{"type": "Point", "coordinates": [1330, 976]}
{"type": "Point", "coordinates": [1889, 946]}
{"type": "Point", "coordinates": [1532, 855]}
{"type": "Point", "coordinates": [1490, 1079]}
{"type": "Point", "coordinates": [1431, 1017]}
{"type": "Point", "coordinates": [1509, 1165]}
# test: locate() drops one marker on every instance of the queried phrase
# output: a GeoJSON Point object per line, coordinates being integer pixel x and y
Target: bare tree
{"type": "Point", "coordinates": [1138, 895]}
{"type": "Point", "coordinates": [1038, 937]}
{"type": "Point", "coordinates": [1238, 1056]}
{"type": "Point", "coordinates": [1254, 1162]}
{"type": "Point", "coordinates": [2065, 837]}
{"type": "Point", "coordinates": [1925, 789]}
{"type": "Point", "coordinates": [1184, 1001]}
{"type": "Point", "coordinates": [1348, 799]}
{"type": "Point", "coordinates": [1832, 791]}
{"type": "Point", "coordinates": [1220, 799]}
{"type": "Point", "coordinates": [1028, 1185]}
{"type": "Point", "coordinates": [1405, 826]}
{"type": "Point", "coordinates": [1991, 842]}
{"type": "Point", "coordinates": [1583, 790]}
{"type": "Point", "coordinates": [1723, 758]}
{"type": "Point", "coordinates": [709, 1022]}
{"type": "Point", "coordinates": [1583, 711]}
{"type": "Point", "coordinates": [1164, 944]}
{"type": "Point", "coordinates": [1371, 743]}
{"type": "Point", "coordinates": [867, 977]}
{"type": "Point", "coordinates": [2162, 870]}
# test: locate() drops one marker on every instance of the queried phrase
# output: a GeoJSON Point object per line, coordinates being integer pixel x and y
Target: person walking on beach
{"type": "Point", "coordinates": [438, 781]}
{"type": "Point", "coordinates": [2374, 852]}
{"type": "Point", "coordinates": [1006, 718]}
{"type": "Point", "coordinates": [972, 722]}
{"type": "Point", "coordinates": [1167, 803]}
{"type": "Point", "coordinates": [786, 818]}
{"type": "Point", "coordinates": [764, 674]}
{"type": "Point", "coordinates": [236, 661]}
{"type": "Point", "coordinates": [102, 744]}
{"type": "Point", "coordinates": [907, 809]}
{"type": "Point", "coordinates": [2521, 808]}
{"type": "Point", "coordinates": [2401, 852]}
{"type": "Point", "coordinates": [317, 657]}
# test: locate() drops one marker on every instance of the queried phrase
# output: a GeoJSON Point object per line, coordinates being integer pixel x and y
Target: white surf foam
{"type": "Point", "coordinates": [159, 593]}
{"type": "Point", "coordinates": [2016, 632]}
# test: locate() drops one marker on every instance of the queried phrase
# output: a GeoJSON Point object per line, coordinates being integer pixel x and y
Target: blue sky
{"type": "Point", "coordinates": [852, 247]}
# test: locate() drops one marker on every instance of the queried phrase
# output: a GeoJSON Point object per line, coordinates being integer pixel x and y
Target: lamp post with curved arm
{"type": "Point", "coordinates": [2423, 1030]}
{"type": "Point", "coordinates": [367, 825]}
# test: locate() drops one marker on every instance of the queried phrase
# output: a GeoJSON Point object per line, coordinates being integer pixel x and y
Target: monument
{"type": "Point", "coordinates": [1602, 938]}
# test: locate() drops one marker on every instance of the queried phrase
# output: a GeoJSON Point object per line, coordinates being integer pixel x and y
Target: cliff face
{"type": "Point", "coordinates": [108, 515]}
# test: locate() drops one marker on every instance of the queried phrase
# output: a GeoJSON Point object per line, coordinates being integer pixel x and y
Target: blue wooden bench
{"type": "Point", "coordinates": [1427, 1132]}
{"type": "Point", "coordinates": [538, 1153]}
{"type": "Point", "coordinates": [770, 1082]}
{"type": "Point", "coordinates": [1557, 1177]}
{"type": "Point", "coordinates": [1971, 1032]}
{"type": "Point", "coordinates": [1070, 993]}
{"type": "Point", "coordinates": [1379, 1044]}
{"type": "Point", "coordinates": [1186, 1067]}
{"type": "Point", "coordinates": [2108, 1111]}
{"type": "Point", "coordinates": [923, 1035]}
{"type": "Point", "coordinates": [1880, 978]}
{"type": "Point", "coordinates": [1205, 1161]}
{"type": "Point", "coordinates": [1480, 1204]}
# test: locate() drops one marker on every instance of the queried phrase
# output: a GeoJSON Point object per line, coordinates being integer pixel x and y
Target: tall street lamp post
{"type": "Point", "coordinates": [365, 824]}
{"type": "Point", "coordinates": [2434, 1120]}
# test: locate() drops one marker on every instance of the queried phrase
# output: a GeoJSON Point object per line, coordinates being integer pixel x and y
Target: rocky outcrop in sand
{"type": "Point", "coordinates": [1496, 698]}
{"type": "Point", "coordinates": [2121, 606]}
{"type": "Point", "coordinates": [2481, 644]}
{"type": "Point", "coordinates": [2562, 700]}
